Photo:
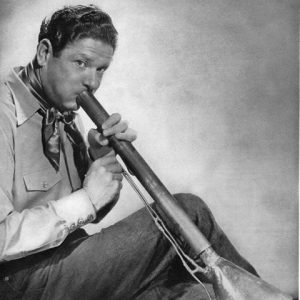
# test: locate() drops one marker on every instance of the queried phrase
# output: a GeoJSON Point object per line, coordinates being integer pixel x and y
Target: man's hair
{"type": "Point", "coordinates": [76, 22]}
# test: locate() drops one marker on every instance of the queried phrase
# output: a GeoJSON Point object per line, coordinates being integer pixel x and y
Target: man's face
{"type": "Point", "coordinates": [78, 67]}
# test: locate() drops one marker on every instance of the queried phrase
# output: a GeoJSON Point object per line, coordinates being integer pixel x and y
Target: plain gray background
{"type": "Point", "coordinates": [212, 89]}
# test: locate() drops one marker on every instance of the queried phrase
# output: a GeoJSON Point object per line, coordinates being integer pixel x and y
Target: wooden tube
{"type": "Point", "coordinates": [229, 281]}
{"type": "Point", "coordinates": [137, 165]}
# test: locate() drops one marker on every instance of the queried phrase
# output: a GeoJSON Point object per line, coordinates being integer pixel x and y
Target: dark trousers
{"type": "Point", "coordinates": [129, 260]}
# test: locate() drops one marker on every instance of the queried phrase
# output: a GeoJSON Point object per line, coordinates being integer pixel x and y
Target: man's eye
{"type": "Point", "coordinates": [81, 63]}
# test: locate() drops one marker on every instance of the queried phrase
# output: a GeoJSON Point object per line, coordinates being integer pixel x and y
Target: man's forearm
{"type": "Point", "coordinates": [43, 227]}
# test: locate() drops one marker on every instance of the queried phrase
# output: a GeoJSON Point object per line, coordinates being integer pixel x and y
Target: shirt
{"type": "Point", "coordinates": [38, 207]}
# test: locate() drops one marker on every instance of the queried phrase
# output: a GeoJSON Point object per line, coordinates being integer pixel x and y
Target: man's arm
{"type": "Point", "coordinates": [41, 227]}
{"type": "Point", "coordinates": [45, 226]}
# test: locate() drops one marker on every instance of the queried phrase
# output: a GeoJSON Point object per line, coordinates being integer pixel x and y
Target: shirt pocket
{"type": "Point", "coordinates": [42, 180]}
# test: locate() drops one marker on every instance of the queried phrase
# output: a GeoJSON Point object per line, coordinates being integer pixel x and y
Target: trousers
{"type": "Point", "coordinates": [128, 260]}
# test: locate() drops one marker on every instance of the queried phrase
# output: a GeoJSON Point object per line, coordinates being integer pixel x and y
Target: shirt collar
{"type": "Point", "coordinates": [26, 104]}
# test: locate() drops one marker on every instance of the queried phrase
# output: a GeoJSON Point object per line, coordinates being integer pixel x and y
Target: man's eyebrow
{"type": "Point", "coordinates": [83, 55]}
{"type": "Point", "coordinates": [105, 67]}
{"type": "Point", "coordinates": [89, 59]}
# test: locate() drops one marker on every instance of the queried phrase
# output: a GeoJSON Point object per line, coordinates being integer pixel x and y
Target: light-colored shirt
{"type": "Point", "coordinates": [39, 206]}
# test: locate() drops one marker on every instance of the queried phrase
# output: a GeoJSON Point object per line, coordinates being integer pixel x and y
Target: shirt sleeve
{"type": "Point", "coordinates": [43, 227]}
{"type": "Point", "coordinates": [38, 228]}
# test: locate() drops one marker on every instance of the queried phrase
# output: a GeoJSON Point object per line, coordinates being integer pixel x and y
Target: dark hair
{"type": "Point", "coordinates": [75, 22]}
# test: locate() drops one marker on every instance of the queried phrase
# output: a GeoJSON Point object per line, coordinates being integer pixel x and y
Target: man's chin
{"type": "Point", "coordinates": [70, 106]}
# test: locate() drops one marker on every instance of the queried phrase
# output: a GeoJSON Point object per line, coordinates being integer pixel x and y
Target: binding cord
{"type": "Point", "coordinates": [165, 231]}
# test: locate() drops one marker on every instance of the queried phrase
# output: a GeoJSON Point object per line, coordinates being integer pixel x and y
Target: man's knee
{"type": "Point", "coordinates": [192, 204]}
{"type": "Point", "coordinates": [198, 211]}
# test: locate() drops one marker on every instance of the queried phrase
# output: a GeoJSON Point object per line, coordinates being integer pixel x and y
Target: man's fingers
{"type": "Point", "coordinates": [118, 177]}
{"type": "Point", "coordinates": [109, 158]}
{"type": "Point", "coordinates": [117, 128]}
{"type": "Point", "coordinates": [114, 168]}
{"type": "Point", "coordinates": [112, 120]}
{"type": "Point", "coordinates": [114, 126]}
{"type": "Point", "coordinates": [110, 162]}
{"type": "Point", "coordinates": [100, 139]}
{"type": "Point", "coordinates": [130, 135]}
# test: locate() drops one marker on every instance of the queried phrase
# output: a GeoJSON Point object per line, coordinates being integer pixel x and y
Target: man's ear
{"type": "Point", "coordinates": [43, 52]}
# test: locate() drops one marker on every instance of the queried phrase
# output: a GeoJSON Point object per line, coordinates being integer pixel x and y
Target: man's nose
{"type": "Point", "coordinates": [92, 80]}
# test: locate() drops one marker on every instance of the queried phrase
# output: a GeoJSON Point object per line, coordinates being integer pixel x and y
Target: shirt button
{"type": "Point", "coordinates": [44, 184]}
{"type": "Point", "coordinates": [80, 222]}
{"type": "Point", "coordinates": [90, 218]}
{"type": "Point", "coordinates": [72, 227]}
{"type": "Point", "coordinates": [66, 229]}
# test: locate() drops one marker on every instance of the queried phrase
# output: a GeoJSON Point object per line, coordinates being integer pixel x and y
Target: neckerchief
{"type": "Point", "coordinates": [50, 130]}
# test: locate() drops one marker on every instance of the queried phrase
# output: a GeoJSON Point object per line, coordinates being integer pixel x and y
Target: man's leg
{"type": "Point", "coordinates": [176, 282]}
{"type": "Point", "coordinates": [120, 262]}
{"type": "Point", "coordinates": [202, 216]}
{"type": "Point", "coordinates": [112, 264]}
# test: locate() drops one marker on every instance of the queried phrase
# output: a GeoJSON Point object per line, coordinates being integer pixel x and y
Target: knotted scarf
{"type": "Point", "coordinates": [50, 130]}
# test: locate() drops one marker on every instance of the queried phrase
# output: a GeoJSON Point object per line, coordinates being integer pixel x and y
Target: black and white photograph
{"type": "Point", "coordinates": [149, 150]}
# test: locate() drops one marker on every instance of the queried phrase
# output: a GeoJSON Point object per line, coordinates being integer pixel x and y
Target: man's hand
{"type": "Point", "coordinates": [114, 125]}
{"type": "Point", "coordinates": [103, 181]}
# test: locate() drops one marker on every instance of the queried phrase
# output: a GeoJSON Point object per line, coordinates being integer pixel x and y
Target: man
{"type": "Point", "coordinates": [49, 187]}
